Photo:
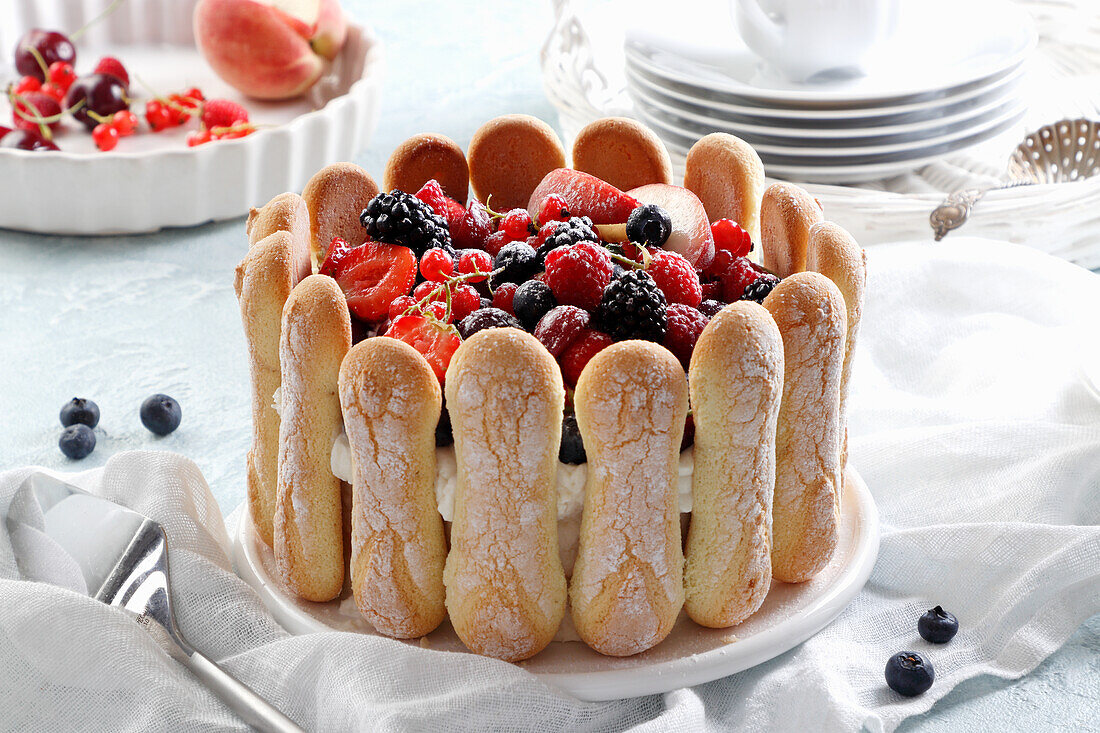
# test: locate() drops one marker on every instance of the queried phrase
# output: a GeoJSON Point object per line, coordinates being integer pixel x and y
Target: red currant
{"type": "Point", "coordinates": [26, 84]}
{"type": "Point", "coordinates": [439, 310]}
{"type": "Point", "coordinates": [475, 261]}
{"type": "Point", "coordinates": [400, 305]}
{"type": "Point", "coordinates": [125, 122]}
{"type": "Point", "coordinates": [424, 289]}
{"type": "Point", "coordinates": [729, 235]}
{"type": "Point", "coordinates": [198, 137]}
{"type": "Point", "coordinates": [105, 136]}
{"type": "Point", "coordinates": [53, 90]}
{"type": "Point", "coordinates": [516, 225]}
{"type": "Point", "coordinates": [195, 94]}
{"type": "Point", "coordinates": [62, 75]}
{"type": "Point", "coordinates": [553, 209]}
{"type": "Point", "coordinates": [436, 265]}
{"type": "Point", "coordinates": [156, 115]}
{"type": "Point", "coordinates": [464, 301]}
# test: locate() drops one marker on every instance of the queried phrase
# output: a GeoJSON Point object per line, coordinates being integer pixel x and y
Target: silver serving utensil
{"type": "Point", "coordinates": [123, 558]}
{"type": "Point", "coordinates": [1065, 151]}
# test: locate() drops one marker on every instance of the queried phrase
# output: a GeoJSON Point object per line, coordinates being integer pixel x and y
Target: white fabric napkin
{"type": "Point", "coordinates": [971, 421]}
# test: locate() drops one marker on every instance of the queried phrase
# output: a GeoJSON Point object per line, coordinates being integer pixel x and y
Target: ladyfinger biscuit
{"type": "Point", "coordinates": [288, 213]}
{"type": "Point", "coordinates": [627, 585]}
{"type": "Point", "coordinates": [809, 310]}
{"type": "Point", "coordinates": [424, 157]}
{"type": "Point", "coordinates": [728, 177]}
{"type": "Point", "coordinates": [505, 584]}
{"type": "Point", "coordinates": [309, 542]}
{"type": "Point", "coordinates": [834, 254]}
{"type": "Point", "coordinates": [623, 152]}
{"type": "Point", "coordinates": [736, 382]}
{"type": "Point", "coordinates": [786, 214]}
{"type": "Point", "coordinates": [335, 197]}
{"type": "Point", "coordinates": [391, 401]}
{"type": "Point", "coordinates": [508, 157]}
{"type": "Point", "coordinates": [264, 280]}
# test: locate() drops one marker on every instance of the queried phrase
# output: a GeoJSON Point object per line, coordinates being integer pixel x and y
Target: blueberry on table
{"type": "Point", "coordinates": [938, 626]}
{"type": "Point", "coordinates": [160, 414]}
{"type": "Point", "coordinates": [909, 674]}
{"type": "Point", "coordinates": [77, 441]}
{"type": "Point", "coordinates": [80, 411]}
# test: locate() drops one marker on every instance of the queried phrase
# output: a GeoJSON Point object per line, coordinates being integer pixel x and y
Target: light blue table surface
{"type": "Point", "coordinates": [118, 318]}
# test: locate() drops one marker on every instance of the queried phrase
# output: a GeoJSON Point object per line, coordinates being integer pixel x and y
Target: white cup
{"type": "Point", "coordinates": [803, 38]}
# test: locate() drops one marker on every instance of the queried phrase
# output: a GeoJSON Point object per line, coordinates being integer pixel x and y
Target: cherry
{"type": "Point", "coordinates": [30, 109]}
{"type": "Point", "coordinates": [51, 46]}
{"type": "Point", "coordinates": [102, 94]}
{"type": "Point", "coordinates": [26, 140]}
{"type": "Point", "coordinates": [105, 136]}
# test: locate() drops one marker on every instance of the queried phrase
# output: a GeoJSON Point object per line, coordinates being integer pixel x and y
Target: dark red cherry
{"type": "Point", "coordinates": [26, 140]}
{"type": "Point", "coordinates": [52, 45]}
{"type": "Point", "coordinates": [103, 94]}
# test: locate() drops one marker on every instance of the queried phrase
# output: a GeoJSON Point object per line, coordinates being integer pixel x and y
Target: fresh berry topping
{"type": "Point", "coordinates": [484, 318]}
{"type": "Point", "coordinates": [399, 305]}
{"type": "Point", "coordinates": [532, 301]}
{"type": "Point", "coordinates": [518, 261]}
{"type": "Point", "coordinates": [739, 276]}
{"type": "Point", "coordinates": [577, 356]}
{"type": "Point", "coordinates": [338, 249]}
{"type": "Point", "coordinates": [572, 447]}
{"type": "Point", "coordinates": [633, 307]}
{"type": "Point", "coordinates": [516, 225]}
{"type": "Point", "coordinates": [443, 434]}
{"type": "Point", "coordinates": [436, 342]}
{"type": "Point", "coordinates": [38, 49]}
{"type": "Point", "coordinates": [198, 137]}
{"type": "Point", "coordinates": [470, 230]}
{"type": "Point", "coordinates": [475, 260]}
{"type": "Point", "coordinates": [125, 122]}
{"type": "Point", "coordinates": [54, 92]}
{"type": "Point", "coordinates": [684, 326]}
{"type": "Point", "coordinates": [436, 265]}
{"type": "Point", "coordinates": [77, 441]}
{"type": "Point", "coordinates": [464, 300]}
{"type": "Point", "coordinates": [438, 310]}
{"type": "Point", "coordinates": [428, 288]}
{"type": "Point", "coordinates": [909, 674]}
{"type": "Point", "coordinates": [576, 229]}
{"type": "Point", "coordinates": [432, 194]}
{"type": "Point", "coordinates": [503, 297]}
{"type": "Point", "coordinates": [728, 235]}
{"type": "Point", "coordinates": [553, 209]}
{"type": "Point", "coordinates": [759, 289]}
{"type": "Point", "coordinates": [578, 274]}
{"type": "Point", "coordinates": [938, 626]}
{"type": "Point", "coordinates": [710, 307]}
{"type": "Point", "coordinates": [105, 136]}
{"type": "Point", "coordinates": [33, 108]}
{"type": "Point", "coordinates": [676, 278]}
{"type": "Point", "coordinates": [373, 275]}
{"type": "Point", "coordinates": [649, 225]}
{"type": "Point", "coordinates": [26, 140]}
{"type": "Point", "coordinates": [100, 94]}
{"type": "Point", "coordinates": [222, 113]}
{"type": "Point", "coordinates": [400, 218]}
{"type": "Point", "coordinates": [160, 414]}
{"type": "Point", "coordinates": [80, 411]}
{"type": "Point", "coordinates": [559, 328]}
{"type": "Point", "coordinates": [62, 75]}
{"type": "Point", "coordinates": [583, 195]}
{"type": "Point", "coordinates": [111, 65]}
{"type": "Point", "coordinates": [720, 265]}
{"type": "Point", "coordinates": [495, 242]}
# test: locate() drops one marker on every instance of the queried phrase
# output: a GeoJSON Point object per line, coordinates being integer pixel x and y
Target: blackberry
{"type": "Point", "coordinates": [576, 229]}
{"type": "Point", "coordinates": [443, 434]}
{"type": "Point", "coordinates": [532, 301]}
{"type": "Point", "coordinates": [484, 318]}
{"type": "Point", "coordinates": [759, 288]}
{"type": "Point", "coordinates": [633, 307]}
{"type": "Point", "coordinates": [400, 218]}
{"type": "Point", "coordinates": [572, 447]}
{"type": "Point", "coordinates": [649, 225]}
{"type": "Point", "coordinates": [519, 262]}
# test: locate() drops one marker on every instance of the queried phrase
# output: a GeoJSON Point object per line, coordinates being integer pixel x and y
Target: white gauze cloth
{"type": "Point", "coordinates": [971, 421]}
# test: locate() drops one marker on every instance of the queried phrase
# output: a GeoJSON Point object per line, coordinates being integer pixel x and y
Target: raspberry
{"type": "Point", "coordinates": [111, 65]}
{"type": "Point", "coordinates": [684, 326]}
{"type": "Point", "coordinates": [495, 242]}
{"type": "Point", "coordinates": [577, 229]}
{"type": "Point", "coordinates": [578, 274]}
{"type": "Point", "coordinates": [401, 218]}
{"type": "Point", "coordinates": [484, 318]}
{"type": "Point", "coordinates": [436, 265]}
{"type": "Point", "coordinates": [516, 225]}
{"type": "Point", "coordinates": [729, 235]}
{"type": "Point", "coordinates": [633, 307]}
{"type": "Point", "coordinates": [676, 278]}
{"type": "Point", "coordinates": [734, 281]}
{"type": "Point", "coordinates": [553, 209]}
{"type": "Point", "coordinates": [559, 328]}
{"type": "Point", "coordinates": [475, 260]}
{"type": "Point", "coordinates": [464, 301]}
{"type": "Point", "coordinates": [518, 262]}
{"type": "Point", "coordinates": [532, 301]}
{"type": "Point", "coordinates": [712, 290]}
{"type": "Point", "coordinates": [710, 307]}
{"type": "Point", "coordinates": [470, 230]}
{"type": "Point", "coordinates": [577, 356]}
{"type": "Point", "coordinates": [432, 194]}
{"type": "Point", "coordinates": [543, 233]}
{"type": "Point", "coordinates": [723, 261]}
{"type": "Point", "coordinates": [222, 113]}
{"type": "Point", "coordinates": [503, 297]}
{"type": "Point", "coordinates": [759, 289]}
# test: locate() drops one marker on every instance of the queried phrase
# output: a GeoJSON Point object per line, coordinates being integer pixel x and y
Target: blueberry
{"type": "Point", "coordinates": [649, 225]}
{"type": "Point", "coordinates": [484, 318]}
{"type": "Point", "coordinates": [938, 626]}
{"type": "Point", "coordinates": [518, 261]}
{"type": "Point", "coordinates": [80, 410]}
{"type": "Point", "coordinates": [909, 674]}
{"type": "Point", "coordinates": [533, 300]}
{"type": "Point", "coordinates": [161, 414]}
{"type": "Point", "coordinates": [572, 447]}
{"type": "Point", "coordinates": [443, 434]}
{"type": "Point", "coordinates": [77, 441]}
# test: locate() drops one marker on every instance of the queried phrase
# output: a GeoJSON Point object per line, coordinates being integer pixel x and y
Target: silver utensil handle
{"type": "Point", "coordinates": [252, 708]}
{"type": "Point", "coordinates": [955, 210]}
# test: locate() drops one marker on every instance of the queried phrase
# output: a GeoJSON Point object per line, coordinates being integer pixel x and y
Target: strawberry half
{"type": "Point", "coordinates": [338, 249]}
{"type": "Point", "coordinates": [436, 341]}
{"type": "Point", "coordinates": [373, 275]}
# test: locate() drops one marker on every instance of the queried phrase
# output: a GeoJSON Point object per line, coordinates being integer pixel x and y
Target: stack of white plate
{"type": "Point", "coordinates": [948, 80]}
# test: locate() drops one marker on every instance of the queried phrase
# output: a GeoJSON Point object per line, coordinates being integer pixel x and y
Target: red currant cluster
{"type": "Point", "coordinates": [175, 110]}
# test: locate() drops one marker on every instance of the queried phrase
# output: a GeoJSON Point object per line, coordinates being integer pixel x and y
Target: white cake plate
{"type": "Point", "coordinates": [691, 654]}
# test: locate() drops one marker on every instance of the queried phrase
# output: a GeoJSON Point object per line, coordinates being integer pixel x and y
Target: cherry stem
{"type": "Point", "coordinates": [100, 118]}
{"type": "Point", "coordinates": [110, 9]}
{"type": "Point", "coordinates": [41, 62]}
{"type": "Point", "coordinates": [446, 284]}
